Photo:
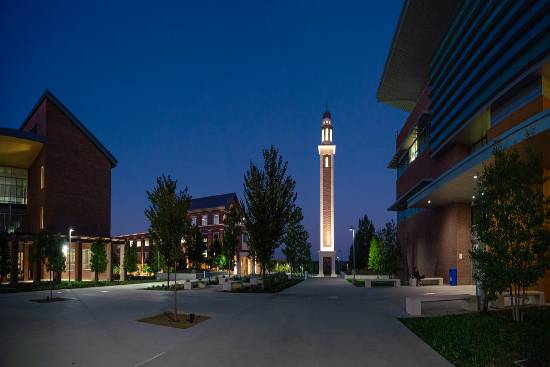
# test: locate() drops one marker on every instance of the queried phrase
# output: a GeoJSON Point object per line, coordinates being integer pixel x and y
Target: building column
{"type": "Point", "coordinates": [238, 263]}
{"type": "Point", "coordinates": [14, 254]}
{"type": "Point", "coordinates": [121, 266]}
{"type": "Point", "coordinates": [109, 251]}
{"type": "Point", "coordinates": [36, 269]}
{"type": "Point", "coordinates": [78, 261]}
{"type": "Point", "coordinates": [26, 261]}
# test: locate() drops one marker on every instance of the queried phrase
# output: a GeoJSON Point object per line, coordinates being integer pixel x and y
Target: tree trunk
{"type": "Point", "coordinates": [175, 297]}
{"type": "Point", "coordinates": [96, 276]}
{"type": "Point", "coordinates": [51, 286]}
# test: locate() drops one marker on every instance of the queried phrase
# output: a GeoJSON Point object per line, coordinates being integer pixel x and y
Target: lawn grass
{"type": "Point", "coordinates": [46, 286]}
{"type": "Point", "coordinates": [487, 339]}
{"type": "Point", "coordinates": [167, 319]}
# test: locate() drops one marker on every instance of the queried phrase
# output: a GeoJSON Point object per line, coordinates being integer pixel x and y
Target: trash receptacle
{"type": "Point", "coordinates": [452, 276]}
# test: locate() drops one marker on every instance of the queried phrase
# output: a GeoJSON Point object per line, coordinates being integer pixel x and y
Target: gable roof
{"type": "Point", "coordinates": [214, 201]}
{"type": "Point", "coordinates": [52, 98]}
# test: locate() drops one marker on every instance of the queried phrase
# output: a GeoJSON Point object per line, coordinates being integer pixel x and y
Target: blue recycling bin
{"type": "Point", "coordinates": [453, 276]}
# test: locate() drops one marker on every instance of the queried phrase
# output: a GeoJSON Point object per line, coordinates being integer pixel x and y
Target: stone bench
{"type": "Point", "coordinates": [432, 281]}
{"type": "Point", "coordinates": [531, 298]}
{"type": "Point", "coordinates": [396, 282]}
{"type": "Point", "coordinates": [190, 284]}
{"type": "Point", "coordinates": [413, 305]}
{"type": "Point", "coordinates": [231, 285]}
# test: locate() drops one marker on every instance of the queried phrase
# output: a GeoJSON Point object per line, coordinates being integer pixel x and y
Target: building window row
{"type": "Point", "coordinates": [204, 219]}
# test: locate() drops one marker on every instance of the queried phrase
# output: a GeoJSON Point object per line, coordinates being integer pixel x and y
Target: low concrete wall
{"type": "Point", "coordinates": [363, 277]}
{"type": "Point", "coordinates": [189, 276]}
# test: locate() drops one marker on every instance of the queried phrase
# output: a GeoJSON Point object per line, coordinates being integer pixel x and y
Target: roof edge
{"type": "Point", "coordinates": [51, 97]}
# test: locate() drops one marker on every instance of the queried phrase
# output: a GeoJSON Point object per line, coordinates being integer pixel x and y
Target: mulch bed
{"type": "Point", "coordinates": [167, 319]}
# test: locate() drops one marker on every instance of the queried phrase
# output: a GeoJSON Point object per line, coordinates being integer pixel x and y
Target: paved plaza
{"type": "Point", "coordinates": [319, 322]}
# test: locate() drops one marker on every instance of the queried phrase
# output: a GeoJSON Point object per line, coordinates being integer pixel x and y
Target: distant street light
{"type": "Point", "coordinates": [353, 241]}
{"type": "Point", "coordinates": [69, 255]}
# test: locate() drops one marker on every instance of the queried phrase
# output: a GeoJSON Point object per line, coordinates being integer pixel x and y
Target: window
{"type": "Point", "coordinates": [138, 243]}
{"type": "Point", "coordinates": [41, 217]}
{"type": "Point", "coordinates": [326, 161]}
{"type": "Point", "coordinates": [216, 236]}
{"type": "Point", "coordinates": [413, 151]}
{"type": "Point", "coordinates": [330, 135]}
{"type": "Point", "coordinates": [146, 243]}
{"type": "Point", "coordinates": [205, 220]}
{"type": "Point", "coordinates": [323, 135]}
{"type": "Point", "coordinates": [86, 259]}
{"type": "Point", "coordinates": [194, 220]}
{"type": "Point", "coordinates": [42, 177]}
{"type": "Point", "coordinates": [216, 219]}
{"type": "Point", "coordinates": [13, 185]}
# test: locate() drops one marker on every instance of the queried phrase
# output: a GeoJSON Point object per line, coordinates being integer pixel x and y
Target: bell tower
{"type": "Point", "coordinates": [327, 150]}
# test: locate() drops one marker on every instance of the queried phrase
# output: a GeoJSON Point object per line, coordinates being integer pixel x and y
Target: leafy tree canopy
{"type": "Point", "coordinates": [269, 205]}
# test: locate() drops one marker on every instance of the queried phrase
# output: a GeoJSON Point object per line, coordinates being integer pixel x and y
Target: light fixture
{"type": "Point", "coordinates": [475, 177]}
{"type": "Point", "coordinates": [473, 196]}
{"type": "Point", "coordinates": [429, 201]}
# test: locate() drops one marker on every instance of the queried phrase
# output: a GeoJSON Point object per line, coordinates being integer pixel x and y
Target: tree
{"type": "Point", "coordinates": [196, 248]}
{"type": "Point", "coordinates": [391, 252]}
{"type": "Point", "coordinates": [130, 258]}
{"type": "Point", "coordinates": [156, 261]}
{"type": "Point", "coordinates": [48, 249]}
{"type": "Point", "coordinates": [5, 258]}
{"type": "Point", "coordinates": [38, 255]}
{"type": "Point", "coordinates": [169, 222]}
{"type": "Point", "coordinates": [376, 262]}
{"type": "Point", "coordinates": [297, 248]}
{"type": "Point", "coordinates": [215, 254]}
{"type": "Point", "coordinates": [269, 205]}
{"type": "Point", "coordinates": [511, 210]}
{"type": "Point", "coordinates": [231, 236]}
{"type": "Point", "coordinates": [98, 258]}
{"type": "Point", "coordinates": [363, 238]}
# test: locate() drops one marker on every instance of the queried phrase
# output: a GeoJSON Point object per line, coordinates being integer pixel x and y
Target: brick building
{"type": "Point", "coordinates": [470, 74]}
{"type": "Point", "coordinates": [208, 214]}
{"type": "Point", "coordinates": [54, 175]}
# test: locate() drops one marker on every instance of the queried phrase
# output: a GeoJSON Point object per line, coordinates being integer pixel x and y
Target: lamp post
{"type": "Point", "coordinates": [352, 229]}
{"type": "Point", "coordinates": [70, 240]}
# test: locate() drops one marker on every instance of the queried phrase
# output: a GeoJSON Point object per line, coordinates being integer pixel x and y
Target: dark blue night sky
{"type": "Point", "coordinates": [196, 90]}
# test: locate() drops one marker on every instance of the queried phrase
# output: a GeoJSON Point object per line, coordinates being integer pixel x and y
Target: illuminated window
{"type": "Point", "coordinates": [41, 177]}
{"type": "Point", "coordinates": [326, 161]}
{"type": "Point", "coordinates": [323, 135]}
{"type": "Point", "coordinates": [138, 243]}
{"type": "Point", "coordinates": [204, 220]}
{"type": "Point", "coordinates": [194, 221]}
{"type": "Point", "coordinates": [146, 243]}
{"type": "Point", "coordinates": [41, 217]}
{"type": "Point", "coordinates": [216, 219]}
{"type": "Point", "coordinates": [86, 257]}
{"type": "Point", "coordinates": [413, 151]}
{"type": "Point", "coordinates": [330, 135]}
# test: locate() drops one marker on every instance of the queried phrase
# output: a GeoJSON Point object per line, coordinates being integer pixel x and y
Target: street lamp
{"type": "Point", "coordinates": [70, 240]}
{"type": "Point", "coordinates": [353, 242]}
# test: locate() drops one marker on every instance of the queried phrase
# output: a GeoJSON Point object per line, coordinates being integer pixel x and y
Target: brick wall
{"type": "Point", "coordinates": [77, 188]}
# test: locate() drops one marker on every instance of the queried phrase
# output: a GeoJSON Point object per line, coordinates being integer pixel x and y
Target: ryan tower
{"type": "Point", "coordinates": [327, 256]}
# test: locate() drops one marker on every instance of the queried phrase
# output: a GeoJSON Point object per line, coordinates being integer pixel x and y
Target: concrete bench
{"type": "Point", "coordinates": [531, 298]}
{"type": "Point", "coordinates": [413, 305]}
{"type": "Point", "coordinates": [396, 282]}
{"type": "Point", "coordinates": [231, 285]}
{"type": "Point", "coordinates": [431, 281]}
{"type": "Point", "coordinates": [190, 284]}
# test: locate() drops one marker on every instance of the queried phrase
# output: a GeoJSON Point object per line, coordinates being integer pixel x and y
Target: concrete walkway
{"type": "Point", "coordinates": [320, 322]}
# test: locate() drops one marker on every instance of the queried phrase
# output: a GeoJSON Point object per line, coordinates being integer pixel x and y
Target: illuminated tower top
{"type": "Point", "coordinates": [326, 129]}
